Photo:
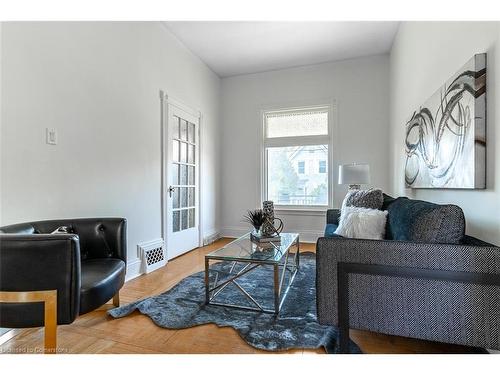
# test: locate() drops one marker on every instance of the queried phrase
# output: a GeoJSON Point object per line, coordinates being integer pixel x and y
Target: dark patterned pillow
{"type": "Point", "coordinates": [421, 221]}
{"type": "Point", "coordinates": [372, 198]}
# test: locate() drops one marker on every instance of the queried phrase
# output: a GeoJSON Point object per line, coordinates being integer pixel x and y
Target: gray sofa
{"type": "Point", "coordinates": [426, 280]}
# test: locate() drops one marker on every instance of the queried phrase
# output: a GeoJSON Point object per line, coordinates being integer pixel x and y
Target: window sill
{"type": "Point", "coordinates": [309, 211]}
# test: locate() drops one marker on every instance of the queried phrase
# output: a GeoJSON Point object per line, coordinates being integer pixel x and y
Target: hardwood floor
{"type": "Point", "coordinates": [96, 332]}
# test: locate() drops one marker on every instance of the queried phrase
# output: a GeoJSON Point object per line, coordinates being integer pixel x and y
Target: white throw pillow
{"type": "Point", "coordinates": [358, 222]}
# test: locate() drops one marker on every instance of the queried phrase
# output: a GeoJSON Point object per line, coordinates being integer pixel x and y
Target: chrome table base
{"type": "Point", "coordinates": [280, 293]}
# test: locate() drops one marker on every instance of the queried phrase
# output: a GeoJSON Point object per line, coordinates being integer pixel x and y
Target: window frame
{"type": "Point", "coordinates": [299, 141]}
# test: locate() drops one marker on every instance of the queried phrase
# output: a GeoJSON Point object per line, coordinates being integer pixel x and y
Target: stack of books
{"type": "Point", "coordinates": [264, 239]}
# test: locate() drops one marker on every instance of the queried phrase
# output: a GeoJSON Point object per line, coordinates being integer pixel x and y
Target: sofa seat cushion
{"type": "Point", "coordinates": [101, 279]}
{"type": "Point", "coordinates": [420, 221]}
{"type": "Point", "coordinates": [330, 230]}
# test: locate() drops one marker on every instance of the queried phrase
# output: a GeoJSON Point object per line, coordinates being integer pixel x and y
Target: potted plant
{"type": "Point", "coordinates": [256, 218]}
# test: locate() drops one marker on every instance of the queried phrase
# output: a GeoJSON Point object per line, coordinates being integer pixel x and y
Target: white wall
{"type": "Point", "coordinates": [360, 88]}
{"type": "Point", "coordinates": [423, 57]}
{"type": "Point", "coordinates": [98, 85]}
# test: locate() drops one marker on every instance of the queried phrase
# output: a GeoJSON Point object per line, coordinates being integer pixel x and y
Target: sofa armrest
{"type": "Point", "coordinates": [331, 251]}
{"type": "Point", "coordinates": [39, 262]}
{"type": "Point", "coordinates": [333, 216]}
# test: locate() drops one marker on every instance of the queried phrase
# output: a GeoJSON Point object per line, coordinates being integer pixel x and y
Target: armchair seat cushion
{"type": "Point", "coordinates": [101, 278]}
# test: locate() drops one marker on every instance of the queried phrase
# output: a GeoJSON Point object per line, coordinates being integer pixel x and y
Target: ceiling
{"type": "Point", "coordinates": [233, 48]}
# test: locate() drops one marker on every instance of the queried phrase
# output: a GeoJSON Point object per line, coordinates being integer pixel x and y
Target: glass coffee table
{"type": "Point", "coordinates": [249, 255]}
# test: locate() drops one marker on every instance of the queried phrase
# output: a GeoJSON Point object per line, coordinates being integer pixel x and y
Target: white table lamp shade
{"type": "Point", "coordinates": [354, 174]}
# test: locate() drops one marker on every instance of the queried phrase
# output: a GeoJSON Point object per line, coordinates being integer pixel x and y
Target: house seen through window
{"type": "Point", "coordinates": [322, 166]}
{"type": "Point", "coordinates": [296, 146]}
{"type": "Point", "coordinates": [301, 167]}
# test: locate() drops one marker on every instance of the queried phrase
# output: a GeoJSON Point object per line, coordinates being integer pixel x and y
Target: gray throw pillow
{"type": "Point", "coordinates": [372, 198]}
{"type": "Point", "coordinates": [61, 230]}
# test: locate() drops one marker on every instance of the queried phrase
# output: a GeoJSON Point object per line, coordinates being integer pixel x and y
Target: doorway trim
{"type": "Point", "coordinates": [165, 101]}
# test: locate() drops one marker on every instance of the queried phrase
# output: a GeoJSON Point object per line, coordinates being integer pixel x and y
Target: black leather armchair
{"type": "Point", "coordinates": [86, 266]}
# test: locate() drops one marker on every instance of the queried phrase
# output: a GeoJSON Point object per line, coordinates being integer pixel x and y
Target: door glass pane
{"type": "Point", "coordinates": [175, 128]}
{"type": "Point", "coordinates": [184, 177]}
{"type": "Point", "coordinates": [190, 175]}
{"type": "Point", "coordinates": [191, 217]}
{"type": "Point", "coordinates": [175, 150]}
{"type": "Point", "coordinates": [191, 197]}
{"type": "Point", "coordinates": [191, 132]}
{"type": "Point", "coordinates": [175, 174]}
{"type": "Point", "coordinates": [183, 130]}
{"type": "Point", "coordinates": [184, 219]}
{"type": "Point", "coordinates": [191, 154]}
{"type": "Point", "coordinates": [175, 198]}
{"type": "Point", "coordinates": [183, 147]}
{"type": "Point", "coordinates": [183, 152]}
{"type": "Point", "coordinates": [175, 221]}
{"type": "Point", "coordinates": [184, 199]}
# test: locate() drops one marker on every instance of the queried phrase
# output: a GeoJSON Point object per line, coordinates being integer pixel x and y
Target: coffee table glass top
{"type": "Point", "coordinates": [244, 249]}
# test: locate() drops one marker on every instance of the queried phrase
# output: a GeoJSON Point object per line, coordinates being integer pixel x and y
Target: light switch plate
{"type": "Point", "coordinates": [51, 135]}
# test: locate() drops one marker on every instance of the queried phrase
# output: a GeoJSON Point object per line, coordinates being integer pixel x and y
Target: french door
{"type": "Point", "coordinates": [182, 180]}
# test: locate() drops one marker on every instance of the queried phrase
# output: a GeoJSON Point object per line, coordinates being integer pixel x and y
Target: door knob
{"type": "Point", "coordinates": [170, 190]}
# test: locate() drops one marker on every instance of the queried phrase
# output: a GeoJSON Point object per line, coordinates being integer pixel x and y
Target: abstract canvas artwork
{"type": "Point", "coordinates": [446, 138]}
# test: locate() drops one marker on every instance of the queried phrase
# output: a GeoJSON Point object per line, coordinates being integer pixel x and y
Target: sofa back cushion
{"type": "Point", "coordinates": [386, 201]}
{"type": "Point", "coordinates": [420, 221]}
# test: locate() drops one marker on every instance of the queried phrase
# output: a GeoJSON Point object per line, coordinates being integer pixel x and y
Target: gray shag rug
{"type": "Point", "coordinates": [183, 306]}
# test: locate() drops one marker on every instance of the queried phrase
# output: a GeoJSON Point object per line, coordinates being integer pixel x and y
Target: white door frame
{"type": "Point", "coordinates": [165, 100]}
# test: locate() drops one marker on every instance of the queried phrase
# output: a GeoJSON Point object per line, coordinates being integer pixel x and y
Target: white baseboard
{"type": "Point", "coordinates": [133, 269]}
{"type": "Point", "coordinates": [309, 236]}
{"type": "Point", "coordinates": [211, 236]}
{"type": "Point", "coordinates": [234, 232]}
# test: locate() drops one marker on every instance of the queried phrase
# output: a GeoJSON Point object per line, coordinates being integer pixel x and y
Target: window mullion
{"type": "Point", "coordinates": [297, 141]}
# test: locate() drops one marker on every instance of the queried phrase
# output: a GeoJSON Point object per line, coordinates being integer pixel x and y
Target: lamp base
{"type": "Point", "coordinates": [354, 187]}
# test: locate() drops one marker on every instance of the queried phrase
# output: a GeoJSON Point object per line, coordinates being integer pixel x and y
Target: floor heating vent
{"type": "Point", "coordinates": [152, 255]}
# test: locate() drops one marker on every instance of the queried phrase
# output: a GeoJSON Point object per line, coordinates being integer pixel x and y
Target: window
{"type": "Point", "coordinates": [294, 139]}
{"type": "Point", "coordinates": [301, 167]}
{"type": "Point", "coordinates": [322, 166]}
